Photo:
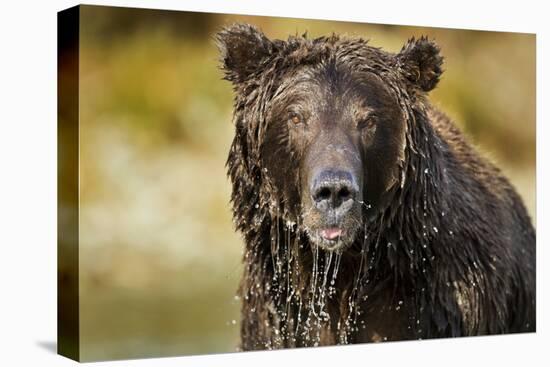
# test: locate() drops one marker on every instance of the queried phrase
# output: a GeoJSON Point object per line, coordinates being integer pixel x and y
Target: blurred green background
{"type": "Point", "coordinates": [159, 259]}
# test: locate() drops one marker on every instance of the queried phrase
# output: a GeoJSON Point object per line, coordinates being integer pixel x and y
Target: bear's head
{"type": "Point", "coordinates": [322, 128]}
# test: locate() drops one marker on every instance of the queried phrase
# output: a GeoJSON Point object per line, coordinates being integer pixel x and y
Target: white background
{"type": "Point", "coordinates": [28, 156]}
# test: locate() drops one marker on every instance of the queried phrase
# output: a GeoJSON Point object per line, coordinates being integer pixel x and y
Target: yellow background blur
{"type": "Point", "coordinates": [159, 259]}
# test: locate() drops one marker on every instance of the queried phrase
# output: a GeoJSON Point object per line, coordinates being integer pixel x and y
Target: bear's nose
{"type": "Point", "coordinates": [334, 190]}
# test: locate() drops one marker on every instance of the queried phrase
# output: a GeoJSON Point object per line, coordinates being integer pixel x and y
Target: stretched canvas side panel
{"type": "Point", "coordinates": [68, 330]}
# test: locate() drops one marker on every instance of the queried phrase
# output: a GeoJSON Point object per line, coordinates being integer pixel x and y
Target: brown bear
{"type": "Point", "coordinates": [365, 213]}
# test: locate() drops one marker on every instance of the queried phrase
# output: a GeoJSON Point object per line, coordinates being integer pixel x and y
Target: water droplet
{"type": "Point", "coordinates": [256, 206]}
{"type": "Point", "coordinates": [426, 171]}
{"type": "Point", "coordinates": [233, 322]}
{"type": "Point", "coordinates": [436, 230]}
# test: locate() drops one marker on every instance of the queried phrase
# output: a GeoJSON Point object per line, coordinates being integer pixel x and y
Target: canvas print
{"type": "Point", "coordinates": [235, 183]}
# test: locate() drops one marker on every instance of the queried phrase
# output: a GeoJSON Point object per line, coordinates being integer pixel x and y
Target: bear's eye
{"type": "Point", "coordinates": [367, 122]}
{"type": "Point", "coordinates": [296, 118]}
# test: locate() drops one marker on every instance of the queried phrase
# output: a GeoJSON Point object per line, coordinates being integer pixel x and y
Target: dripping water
{"type": "Point", "coordinates": [322, 300]}
{"type": "Point", "coordinates": [332, 288]}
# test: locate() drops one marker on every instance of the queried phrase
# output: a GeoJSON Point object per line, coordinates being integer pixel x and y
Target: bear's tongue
{"type": "Point", "coordinates": [331, 233]}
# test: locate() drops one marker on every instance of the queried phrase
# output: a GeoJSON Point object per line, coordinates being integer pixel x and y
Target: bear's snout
{"type": "Point", "coordinates": [334, 192]}
{"type": "Point", "coordinates": [331, 192]}
{"type": "Point", "coordinates": [332, 211]}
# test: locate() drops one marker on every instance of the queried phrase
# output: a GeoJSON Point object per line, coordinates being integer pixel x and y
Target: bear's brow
{"type": "Point", "coordinates": [294, 87]}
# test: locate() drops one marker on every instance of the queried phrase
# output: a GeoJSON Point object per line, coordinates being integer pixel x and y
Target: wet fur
{"type": "Point", "coordinates": [450, 250]}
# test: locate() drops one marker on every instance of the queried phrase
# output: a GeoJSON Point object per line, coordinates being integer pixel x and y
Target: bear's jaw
{"type": "Point", "coordinates": [332, 238]}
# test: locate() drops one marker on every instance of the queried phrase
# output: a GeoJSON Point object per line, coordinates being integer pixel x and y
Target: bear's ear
{"type": "Point", "coordinates": [420, 62]}
{"type": "Point", "coordinates": [242, 49]}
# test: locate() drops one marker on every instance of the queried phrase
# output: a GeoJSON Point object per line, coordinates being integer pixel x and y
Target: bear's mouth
{"type": "Point", "coordinates": [332, 229]}
{"type": "Point", "coordinates": [332, 237]}
{"type": "Point", "coordinates": [331, 233]}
